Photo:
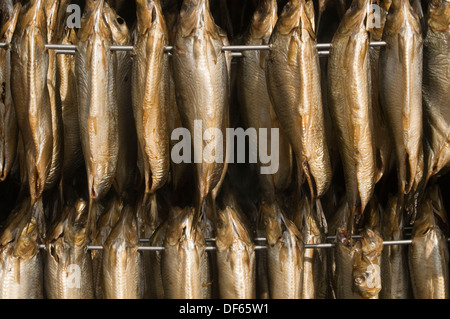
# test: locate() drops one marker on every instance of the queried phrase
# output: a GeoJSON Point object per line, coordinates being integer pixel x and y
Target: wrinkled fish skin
{"type": "Point", "coordinates": [156, 286]}
{"type": "Point", "coordinates": [201, 73]}
{"type": "Point", "coordinates": [127, 156]}
{"type": "Point", "coordinates": [285, 253]}
{"type": "Point", "coordinates": [293, 78]}
{"type": "Point", "coordinates": [21, 268]}
{"type": "Point", "coordinates": [401, 91]}
{"type": "Point", "coordinates": [428, 253]}
{"type": "Point", "coordinates": [150, 93]}
{"type": "Point", "coordinates": [53, 14]}
{"type": "Point", "coordinates": [68, 264]}
{"type": "Point", "coordinates": [105, 224]}
{"type": "Point", "coordinates": [8, 128]}
{"type": "Point", "coordinates": [122, 269]}
{"type": "Point", "coordinates": [350, 106]}
{"type": "Point", "coordinates": [394, 262]}
{"type": "Point", "coordinates": [67, 85]}
{"type": "Point", "coordinates": [257, 109]}
{"type": "Point", "coordinates": [314, 264]}
{"type": "Point", "coordinates": [95, 67]}
{"type": "Point", "coordinates": [382, 139]}
{"type": "Point", "coordinates": [29, 61]}
{"type": "Point", "coordinates": [235, 255]}
{"type": "Point", "coordinates": [184, 262]}
{"type": "Point", "coordinates": [436, 87]}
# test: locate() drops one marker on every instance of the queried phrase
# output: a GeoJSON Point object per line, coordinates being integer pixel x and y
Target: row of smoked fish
{"type": "Point", "coordinates": [85, 145]}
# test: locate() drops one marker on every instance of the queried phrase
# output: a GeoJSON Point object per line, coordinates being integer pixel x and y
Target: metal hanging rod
{"type": "Point", "coordinates": [261, 247]}
{"type": "Point", "coordinates": [69, 48]}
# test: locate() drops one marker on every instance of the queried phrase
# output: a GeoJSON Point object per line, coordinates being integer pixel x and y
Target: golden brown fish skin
{"type": "Point", "coordinates": [21, 268]}
{"type": "Point", "coordinates": [105, 224]}
{"type": "Point", "coordinates": [95, 67]}
{"type": "Point", "coordinates": [156, 286]}
{"type": "Point", "coordinates": [8, 129]}
{"type": "Point", "coordinates": [122, 269]}
{"type": "Point", "coordinates": [235, 254]}
{"type": "Point", "coordinates": [314, 260]}
{"type": "Point", "coordinates": [343, 273]}
{"type": "Point", "coordinates": [66, 254]}
{"type": "Point", "coordinates": [382, 139]}
{"type": "Point", "coordinates": [436, 87]}
{"type": "Point", "coordinates": [201, 74]}
{"type": "Point", "coordinates": [184, 262]}
{"type": "Point", "coordinates": [285, 253]}
{"type": "Point", "coordinates": [366, 264]}
{"type": "Point", "coordinates": [54, 21]}
{"type": "Point", "coordinates": [394, 262]}
{"type": "Point", "coordinates": [337, 222]}
{"type": "Point", "coordinates": [293, 78]}
{"type": "Point", "coordinates": [351, 106]}
{"type": "Point", "coordinates": [126, 162]}
{"type": "Point", "coordinates": [401, 91]}
{"type": "Point", "coordinates": [67, 85]}
{"type": "Point", "coordinates": [428, 253]}
{"type": "Point", "coordinates": [257, 109]}
{"type": "Point", "coordinates": [150, 92]}
{"type": "Point", "coordinates": [29, 62]}
{"type": "Point", "coordinates": [148, 220]}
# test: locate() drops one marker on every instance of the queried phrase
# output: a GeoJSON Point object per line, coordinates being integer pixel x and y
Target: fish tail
{"type": "Point", "coordinates": [94, 211]}
{"type": "Point", "coordinates": [320, 215]}
{"type": "Point", "coordinates": [37, 212]}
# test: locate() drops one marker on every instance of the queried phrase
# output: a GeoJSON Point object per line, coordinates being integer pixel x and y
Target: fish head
{"type": "Point", "coordinates": [33, 15]}
{"type": "Point", "coordinates": [26, 245]}
{"type": "Point", "coordinates": [8, 26]}
{"type": "Point", "coordinates": [366, 264]}
{"type": "Point", "coordinates": [439, 15]}
{"type": "Point", "coordinates": [354, 18]}
{"type": "Point", "coordinates": [93, 21]}
{"type": "Point", "coordinates": [119, 29]}
{"type": "Point", "coordinates": [180, 225]}
{"type": "Point", "coordinates": [431, 214]}
{"type": "Point", "coordinates": [271, 214]}
{"type": "Point", "coordinates": [77, 228]}
{"type": "Point", "coordinates": [149, 13]}
{"type": "Point", "coordinates": [6, 11]}
{"type": "Point", "coordinates": [195, 14]}
{"type": "Point", "coordinates": [393, 218]}
{"type": "Point", "coordinates": [290, 16]}
{"type": "Point", "coordinates": [264, 19]}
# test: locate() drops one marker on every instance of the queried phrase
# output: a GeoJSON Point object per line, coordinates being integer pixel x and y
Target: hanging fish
{"type": "Point", "coordinates": [351, 107]}
{"type": "Point", "coordinates": [201, 73]}
{"type": "Point", "coordinates": [95, 66]}
{"type": "Point", "coordinates": [8, 128]}
{"type": "Point", "coordinates": [436, 88]}
{"type": "Point", "coordinates": [401, 96]}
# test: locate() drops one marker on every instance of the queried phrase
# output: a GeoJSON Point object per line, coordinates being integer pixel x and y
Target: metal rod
{"type": "Point", "coordinates": [261, 247]}
{"type": "Point", "coordinates": [232, 48]}
{"type": "Point", "coordinates": [71, 52]}
{"type": "Point", "coordinates": [246, 47]}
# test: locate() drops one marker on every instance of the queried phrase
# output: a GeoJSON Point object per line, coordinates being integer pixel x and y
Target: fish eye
{"type": "Point", "coordinates": [120, 21]}
{"type": "Point", "coordinates": [359, 279]}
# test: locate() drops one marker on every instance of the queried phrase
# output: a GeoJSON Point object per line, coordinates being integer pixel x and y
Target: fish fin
{"type": "Point", "coordinates": [37, 212]}
{"type": "Point", "coordinates": [95, 209]}
{"type": "Point", "coordinates": [320, 215]}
